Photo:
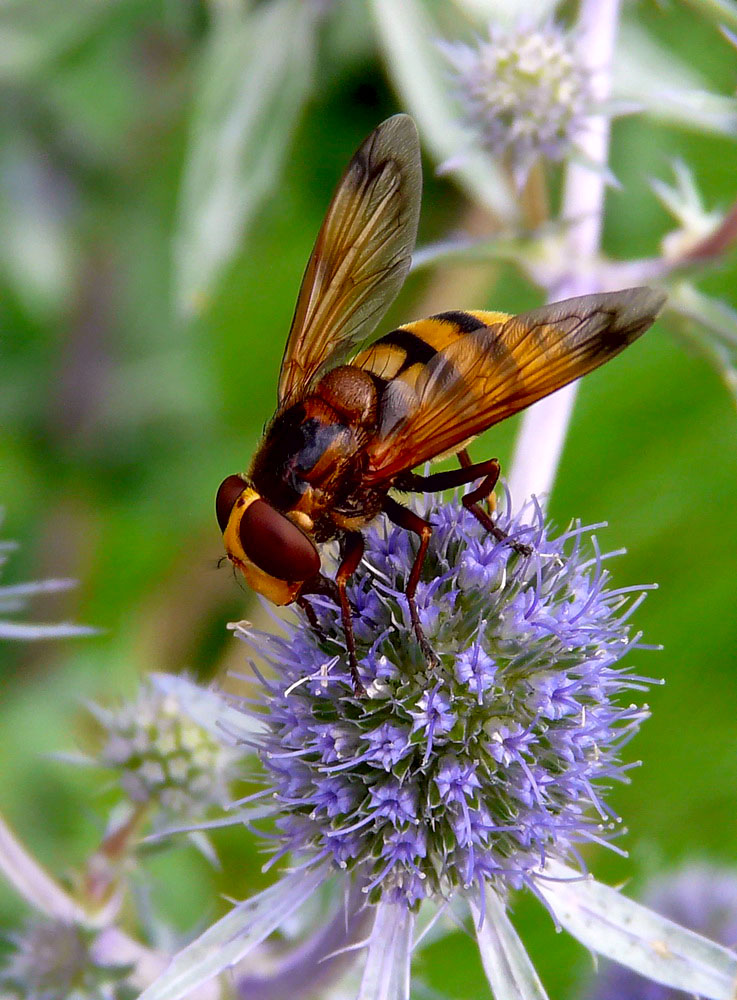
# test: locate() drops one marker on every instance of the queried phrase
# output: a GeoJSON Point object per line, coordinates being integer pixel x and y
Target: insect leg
{"type": "Point", "coordinates": [487, 471]}
{"type": "Point", "coordinates": [312, 618]}
{"type": "Point", "coordinates": [465, 461]}
{"type": "Point", "coordinates": [407, 519]}
{"type": "Point", "coordinates": [351, 550]}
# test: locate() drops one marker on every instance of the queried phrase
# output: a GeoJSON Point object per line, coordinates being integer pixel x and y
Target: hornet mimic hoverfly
{"type": "Point", "coordinates": [345, 431]}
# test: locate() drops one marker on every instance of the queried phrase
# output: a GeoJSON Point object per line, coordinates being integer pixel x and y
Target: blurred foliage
{"type": "Point", "coordinates": [119, 415]}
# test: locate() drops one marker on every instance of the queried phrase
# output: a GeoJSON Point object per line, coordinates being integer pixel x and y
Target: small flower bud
{"type": "Point", "coordinates": [524, 92]}
{"type": "Point", "coordinates": [164, 757]}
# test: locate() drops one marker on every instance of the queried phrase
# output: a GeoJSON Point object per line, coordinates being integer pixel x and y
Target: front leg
{"type": "Point", "coordinates": [351, 550]}
{"type": "Point", "coordinates": [309, 611]}
{"type": "Point", "coordinates": [407, 519]}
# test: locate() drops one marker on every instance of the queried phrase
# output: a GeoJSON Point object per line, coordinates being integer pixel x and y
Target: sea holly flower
{"type": "Point", "coordinates": [524, 91]}
{"type": "Point", "coordinates": [162, 755]}
{"type": "Point", "coordinates": [457, 782]}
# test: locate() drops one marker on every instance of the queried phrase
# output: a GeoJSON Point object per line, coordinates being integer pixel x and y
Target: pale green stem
{"type": "Point", "coordinates": [544, 426]}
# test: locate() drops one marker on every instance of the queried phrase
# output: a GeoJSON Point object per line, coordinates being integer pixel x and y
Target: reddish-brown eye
{"type": "Point", "coordinates": [275, 545]}
{"type": "Point", "coordinates": [230, 489]}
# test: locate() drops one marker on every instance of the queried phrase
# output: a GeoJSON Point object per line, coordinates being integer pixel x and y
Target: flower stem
{"type": "Point", "coordinates": [544, 427]}
{"type": "Point", "coordinates": [105, 866]}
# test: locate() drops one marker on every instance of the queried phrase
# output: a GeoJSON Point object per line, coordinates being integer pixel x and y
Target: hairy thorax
{"type": "Point", "coordinates": [310, 462]}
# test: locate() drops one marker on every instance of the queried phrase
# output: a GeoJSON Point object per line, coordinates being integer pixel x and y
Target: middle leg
{"type": "Point", "coordinates": [487, 472]}
{"type": "Point", "coordinates": [407, 519]}
{"type": "Point", "coordinates": [466, 462]}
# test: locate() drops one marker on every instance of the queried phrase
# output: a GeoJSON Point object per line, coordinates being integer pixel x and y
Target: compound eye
{"type": "Point", "coordinates": [276, 545]}
{"type": "Point", "coordinates": [229, 491]}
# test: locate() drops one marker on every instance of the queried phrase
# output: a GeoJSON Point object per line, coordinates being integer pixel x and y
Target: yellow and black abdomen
{"type": "Point", "coordinates": [403, 353]}
{"type": "Point", "coordinates": [401, 361]}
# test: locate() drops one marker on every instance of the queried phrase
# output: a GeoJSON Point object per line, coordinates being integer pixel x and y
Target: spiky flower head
{"type": "Point", "coordinates": [524, 91]}
{"type": "Point", "coordinates": [162, 756]}
{"type": "Point", "coordinates": [54, 959]}
{"type": "Point", "coordinates": [475, 771]}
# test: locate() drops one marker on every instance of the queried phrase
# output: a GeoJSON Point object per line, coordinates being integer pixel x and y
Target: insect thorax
{"type": "Point", "coordinates": [310, 458]}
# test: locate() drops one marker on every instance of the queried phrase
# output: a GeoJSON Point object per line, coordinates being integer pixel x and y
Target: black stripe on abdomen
{"type": "Point", "coordinates": [465, 322]}
{"type": "Point", "coordinates": [414, 347]}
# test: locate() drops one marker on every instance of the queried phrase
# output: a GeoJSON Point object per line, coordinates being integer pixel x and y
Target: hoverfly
{"type": "Point", "coordinates": [345, 432]}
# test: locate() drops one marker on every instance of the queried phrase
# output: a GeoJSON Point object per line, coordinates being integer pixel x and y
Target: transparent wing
{"type": "Point", "coordinates": [498, 370]}
{"type": "Point", "coordinates": [361, 256]}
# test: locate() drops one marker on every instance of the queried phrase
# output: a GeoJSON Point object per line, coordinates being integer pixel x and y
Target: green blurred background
{"type": "Point", "coordinates": [119, 418]}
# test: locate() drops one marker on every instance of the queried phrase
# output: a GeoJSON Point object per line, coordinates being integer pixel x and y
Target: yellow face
{"type": "Point", "coordinates": [275, 556]}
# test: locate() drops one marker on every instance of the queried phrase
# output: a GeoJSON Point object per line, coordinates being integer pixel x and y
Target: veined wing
{"type": "Point", "coordinates": [361, 256]}
{"type": "Point", "coordinates": [499, 369]}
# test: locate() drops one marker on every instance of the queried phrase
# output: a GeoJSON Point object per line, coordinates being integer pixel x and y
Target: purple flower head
{"type": "Point", "coordinates": [59, 958]}
{"type": "Point", "coordinates": [162, 756]}
{"type": "Point", "coordinates": [472, 772]}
